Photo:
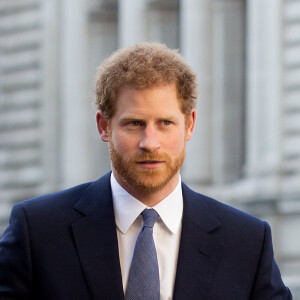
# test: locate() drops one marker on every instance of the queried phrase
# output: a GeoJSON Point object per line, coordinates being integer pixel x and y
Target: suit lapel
{"type": "Point", "coordinates": [200, 250]}
{"type": "Point", "coordinates": [96, 241]}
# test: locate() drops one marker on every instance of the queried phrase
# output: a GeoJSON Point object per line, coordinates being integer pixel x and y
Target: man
{"type": "Point", "coordinates": [95, 241]}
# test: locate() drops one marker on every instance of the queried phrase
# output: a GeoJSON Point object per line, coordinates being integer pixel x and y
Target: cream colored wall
{"type": "Point", "coordinates": [245, 150]}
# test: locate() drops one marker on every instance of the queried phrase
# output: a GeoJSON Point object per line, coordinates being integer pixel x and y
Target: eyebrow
{"type": "Point", "coordinates": [137, 118]}
{"type": "Point", "coordinates": [130, 118]}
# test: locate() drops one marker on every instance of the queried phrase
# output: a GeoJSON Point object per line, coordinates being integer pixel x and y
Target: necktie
{"type": "Point", "coordinates": [143, 280]}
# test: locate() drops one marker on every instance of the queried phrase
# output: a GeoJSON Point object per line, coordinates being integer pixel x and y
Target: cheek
{"type": "Point", "coordinates": [175, 144]}
{"type": "Point", "coordinates": [122, 143]}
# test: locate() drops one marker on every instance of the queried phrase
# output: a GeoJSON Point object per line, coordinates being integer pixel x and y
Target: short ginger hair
{"type": "Point", "coordinates": [141, 66]}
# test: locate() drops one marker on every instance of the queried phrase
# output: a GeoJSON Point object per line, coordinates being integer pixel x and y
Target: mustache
{"type": "Point", "coordinates": [150, 156]}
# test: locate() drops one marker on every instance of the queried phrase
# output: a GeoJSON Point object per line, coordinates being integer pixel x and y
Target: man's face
{"type": "Point", "coordinates": [147, 136]}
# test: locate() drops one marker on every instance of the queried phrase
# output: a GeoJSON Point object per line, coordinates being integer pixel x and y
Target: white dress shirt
{"type": "Point", "coordinates": [166, 233]}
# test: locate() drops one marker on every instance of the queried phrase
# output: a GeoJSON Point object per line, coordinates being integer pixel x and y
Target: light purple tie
{"type": "Point", "coordinates": [143, 280]}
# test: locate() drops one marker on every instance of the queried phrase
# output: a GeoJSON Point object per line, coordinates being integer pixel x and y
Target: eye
{"type": "Point", "coordinates": [166, 122]}
{"type": "Point", "coordinates": [135, 123]}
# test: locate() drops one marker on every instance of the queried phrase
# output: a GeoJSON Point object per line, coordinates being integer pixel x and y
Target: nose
{"type": "Point", "coordinates": [149, 139]}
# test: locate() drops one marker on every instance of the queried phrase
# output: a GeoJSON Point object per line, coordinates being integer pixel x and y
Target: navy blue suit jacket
{"type": "Point", "coordinates": [64, 246]}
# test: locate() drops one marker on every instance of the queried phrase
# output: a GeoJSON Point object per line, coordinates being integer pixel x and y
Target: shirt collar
{"type": "Point", "coordinates": [127, 208]}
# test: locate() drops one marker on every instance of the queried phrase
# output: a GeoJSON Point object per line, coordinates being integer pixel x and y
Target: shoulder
{"type": "Point", "coordinates": [231, 219]}
{"type": "Point", "coordinates": [63, 198]}
{"type": "Point", "coordinates": [58, 203]}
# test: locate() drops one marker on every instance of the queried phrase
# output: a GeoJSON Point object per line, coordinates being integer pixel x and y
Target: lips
{"type": "Point", "coordinates": [150, 164]}
{"type": "Point", "coordinates": [149, 161]}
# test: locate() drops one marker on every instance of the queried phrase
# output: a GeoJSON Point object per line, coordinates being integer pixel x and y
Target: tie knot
{"type": "Point", "coordinates": [150, 216]}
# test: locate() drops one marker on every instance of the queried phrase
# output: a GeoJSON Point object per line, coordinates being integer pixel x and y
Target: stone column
{"type": "Point", "coordinates": [264, 90]}
{"type": "Point", "coordinates": [196, 46]}
{"type": "Point", "coordinates": [51, 100]}
{"type": "Point", "coordinates": [133, 22]}
{"type": "Point", "coordinates": [103, 40]}
{"type": "Point", "coordinates": [74, 109]}
{"type": "Point", "coordinates": [164, 22]}
{"type": "Point", "coordinates": [228, 90]}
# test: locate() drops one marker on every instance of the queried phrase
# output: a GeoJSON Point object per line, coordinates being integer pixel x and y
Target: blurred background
{"type": "Point", "coordinates": [246, 147]}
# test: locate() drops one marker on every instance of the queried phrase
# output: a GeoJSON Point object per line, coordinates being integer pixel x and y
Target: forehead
{"type": "Point", "coordinates": [154, 98]}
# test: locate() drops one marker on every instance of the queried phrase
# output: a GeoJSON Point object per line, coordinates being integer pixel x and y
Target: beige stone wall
{"type": "Point", "coordinates": [21, 170]}
{"type": "Point", "coordinates": [246, 149]}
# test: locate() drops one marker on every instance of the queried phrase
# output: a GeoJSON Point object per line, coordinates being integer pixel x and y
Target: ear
{"type": "Point", "coordinates": [102, 125]}
{"type": "Point", "coordinates": [190, 125]}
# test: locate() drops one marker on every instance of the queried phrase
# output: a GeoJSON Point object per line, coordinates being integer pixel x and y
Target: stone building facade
{"type": "Point", "coordinates": [246, 148]}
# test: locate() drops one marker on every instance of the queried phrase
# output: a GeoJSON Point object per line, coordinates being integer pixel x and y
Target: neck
{"type": "Point", "coordinates": [149, 197]}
